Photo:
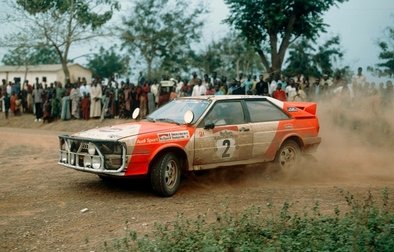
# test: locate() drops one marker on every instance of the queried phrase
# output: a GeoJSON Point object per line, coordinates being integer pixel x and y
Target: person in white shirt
{"type": "Point", "coordinates": [358, 81]}
{"type": "Point", "coordinates": [290, 88]}
{"type": "Point", "coordinates": [199, 89]}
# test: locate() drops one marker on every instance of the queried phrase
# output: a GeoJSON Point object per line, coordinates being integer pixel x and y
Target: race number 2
{"type": "Point", "coordinates": [225, 148]}
{"type": "Point", "coordinates": [227, 145]}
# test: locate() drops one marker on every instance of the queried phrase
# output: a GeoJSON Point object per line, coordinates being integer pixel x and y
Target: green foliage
{"type": "Point", "coordinates": [21, 56]}
{"type": "Point", "coordinates": [107, 62]}
{"type": "Point", "coordinates": [272, 25]}
{"type": "Point", "coordinates": [161, 32]}
{"type": "Point", "coordinates": [229, 56]}
{"type": "Point", "coordinates": [57, 24]}
{"type": "Point", "coordinates": [386, 55]}
{"type": "Point", "coordinates": [366, 226]}
{"type": "Point", "coordinates": [81, 9]}
{"type": "Point", "coordinates": [313, 61]}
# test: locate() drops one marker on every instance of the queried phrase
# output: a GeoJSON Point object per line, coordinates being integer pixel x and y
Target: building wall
{"type": "Point", "coordinates": [51, 76]}
{"type": "Point", "coordinates": [77, 71]}
{"type": "Point", "coordinates": [31, 76]}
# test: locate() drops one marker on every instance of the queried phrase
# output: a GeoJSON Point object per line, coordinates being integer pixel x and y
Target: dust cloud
{"type": "Point", "coordinates": [357, 148]}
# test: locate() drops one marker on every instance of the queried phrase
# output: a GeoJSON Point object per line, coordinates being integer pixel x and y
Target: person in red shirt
{"type": "Point", "coordinates": [279, 93]}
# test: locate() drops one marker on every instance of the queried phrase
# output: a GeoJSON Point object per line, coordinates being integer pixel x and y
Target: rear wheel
{"type": "Point", "coordinates": [166, 175]}
{"type": "Point", "coordinates": [288, 155]}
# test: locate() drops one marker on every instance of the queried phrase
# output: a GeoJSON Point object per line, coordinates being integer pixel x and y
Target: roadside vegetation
{"type": "Point", "coordinates": [364, 225]}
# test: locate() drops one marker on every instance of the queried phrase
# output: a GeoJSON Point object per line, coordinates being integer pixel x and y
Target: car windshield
{"type": "Point", "coordinates": [174, 111]}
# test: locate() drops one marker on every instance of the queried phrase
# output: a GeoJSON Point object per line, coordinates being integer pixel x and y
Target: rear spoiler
{"type": "Point", "coordinates": [301, 109]}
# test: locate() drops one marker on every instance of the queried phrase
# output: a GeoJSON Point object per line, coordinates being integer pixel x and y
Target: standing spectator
{"type": "Point", "coordinates": [199, 89]}
{"type": "Point", "coordinates": [105, 102]}
{"type": "Point", "coordinates": [84, 89]}
{"type": "Point", "coordinates": [291, 88]}
{"type": "Point", "coordinates": [145, 89]}
{"type": "Point", "coordinates": [115, 101]}
{"type": "Point", "coordinates": [358, 81]}
{"type": "Point", "coordinates": [298, 95]}
{"type": "Point", "coordinates": [75, 97]}
{"type": "Point", "coordinates": [95, 100]}
{"type": "Point", "coordinates": [210, 90]}
{"type": "Point", "coordinates": [85, 106]}
{"type": "Point", "coordinates": [279, 93]}
{"type": "Point", "coordinates": [37, 98]}
{"type": "Point", "coordinates": [151, 100]}
{"type": "Point", "coordinates": [248, 84]}
{"type": "Point", "coordinates": [65, 114]}
{"type": "Point", "coordinates": [57, 101]}
{"type": "Point", "coordinates": [7, 103]}
{"type": "Point", "coordinates": [262, 86]}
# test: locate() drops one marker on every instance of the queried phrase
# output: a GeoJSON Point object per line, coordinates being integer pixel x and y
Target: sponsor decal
{"type": "Point", "coordinates": [224, 134]}
{"type": "Point", "coordinates": [147, 140]}
{"type": "Point", "coordinates": [292, 109]}
{"type": "Point", "coordinates": [178, 135]}
{"type": "Point", "coordinates": [221, 128]}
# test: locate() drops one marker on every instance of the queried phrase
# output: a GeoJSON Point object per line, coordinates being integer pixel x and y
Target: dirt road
{"type": "Point", "coordinates": [41, 202]}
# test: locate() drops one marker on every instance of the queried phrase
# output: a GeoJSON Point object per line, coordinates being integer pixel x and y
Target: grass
{"type": "Point", "coordinates": [366, 225]}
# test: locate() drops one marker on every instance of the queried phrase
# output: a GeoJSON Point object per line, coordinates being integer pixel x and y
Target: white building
{"type": "Point", "coordinates": [45, 73]}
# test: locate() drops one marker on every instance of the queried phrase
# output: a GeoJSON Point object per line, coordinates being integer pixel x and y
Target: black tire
{"type": "Point", "coordinates": [166, 175]}
{"type": "Point", "coordinates": [288, 156]}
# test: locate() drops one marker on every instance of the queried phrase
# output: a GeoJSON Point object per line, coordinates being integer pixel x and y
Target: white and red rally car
{"type": "Point", "coordinates": [195, 133]}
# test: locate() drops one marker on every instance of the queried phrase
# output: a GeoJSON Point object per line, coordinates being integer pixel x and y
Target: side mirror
{"type": "Point", "coordinates": [209, 125]}
{"type": "Point", "coordinates": [188, 116]}
{"type": "Point", "coordinates": [136, 113]}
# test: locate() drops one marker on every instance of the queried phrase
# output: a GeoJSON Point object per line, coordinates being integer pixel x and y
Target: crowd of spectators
{"type": "Point", "coordinates": [113, 99]}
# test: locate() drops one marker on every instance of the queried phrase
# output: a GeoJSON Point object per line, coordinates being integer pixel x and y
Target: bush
{"type": "Point", "coordinates": [366, 226]}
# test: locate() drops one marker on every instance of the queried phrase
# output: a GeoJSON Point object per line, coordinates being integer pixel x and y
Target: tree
{"type": "Point", "coordinates": [229, 56]}
{"type": "Point", "coordinates": [386, 55]}
{"type": "Point", "coordinates": [59, 24]}
{"type": "Point", "coordinates": [162, 33]}
{"type": "Point", "coordinates": [22, 56]}
{"type": "Point", "coordinates": [107, 62]}
{"type": "Point", "coordinates": [306, 59]}
{"type": "Point", "coordinates": [270, 26]}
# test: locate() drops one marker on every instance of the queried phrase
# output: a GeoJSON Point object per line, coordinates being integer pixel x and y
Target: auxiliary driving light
{"type": "Point", "coordinates": [63, 156]}
{"type": "Point", "coordinates": [87, 161]}
{"type": "Point", "coordinates": [72, 158]}
{"type": "Point", "coordinates": [91, 149]}
{"type": "Point", "coordinates": [96, 162]}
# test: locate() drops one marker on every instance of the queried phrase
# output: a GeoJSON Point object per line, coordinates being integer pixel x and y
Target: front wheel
{"type": "Point", "coordinates": [288, 155]}
{"type": "Point", "coordinates": [166, 175]}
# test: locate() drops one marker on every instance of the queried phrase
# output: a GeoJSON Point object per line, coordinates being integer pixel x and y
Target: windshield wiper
{"type": "Point", "coordinates": [167, 120]}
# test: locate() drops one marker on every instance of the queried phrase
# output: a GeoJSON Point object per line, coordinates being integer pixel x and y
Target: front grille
{"type": "Point", "coordinates": [89, 155]}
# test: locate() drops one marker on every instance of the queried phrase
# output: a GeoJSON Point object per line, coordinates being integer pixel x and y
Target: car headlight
{"type": "Point", "coordinates": [63, 145]}
{"type": "Point", "coordinates": [96, 162]}
{"type": "Point", "coordinates": [72, 158]}
{"type": "Point", "coordinates": [63, 157]}
{"type": "Point", "coordinates": [87, 161]}
{"type": "Point", "coordinates": [91, 149]}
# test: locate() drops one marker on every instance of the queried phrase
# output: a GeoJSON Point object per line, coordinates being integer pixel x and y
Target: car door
{"type": "Point", "coordinates": [223, 137]}
{"type": "Point", "coordinates": [264, 118]}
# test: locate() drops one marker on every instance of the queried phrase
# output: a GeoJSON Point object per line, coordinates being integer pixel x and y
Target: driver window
{"type": "Point", "coordinates": [226, 113]}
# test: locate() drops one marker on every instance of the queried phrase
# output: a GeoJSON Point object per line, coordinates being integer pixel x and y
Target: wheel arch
{"type": "Point", "coordinates": [294, 138]}
{"type": "Point", "coordinates": [179, 152]}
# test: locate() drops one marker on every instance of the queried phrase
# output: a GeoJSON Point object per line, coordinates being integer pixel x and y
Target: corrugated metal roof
{"type": "Point", "coordinates": [34, 68]}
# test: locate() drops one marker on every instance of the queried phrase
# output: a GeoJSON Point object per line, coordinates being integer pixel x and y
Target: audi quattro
{"type": "Point", "coordinates": [196, 133]}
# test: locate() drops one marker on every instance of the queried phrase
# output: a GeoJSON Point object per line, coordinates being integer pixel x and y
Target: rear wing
{"type": "Point", "coordinates": [301, 109]}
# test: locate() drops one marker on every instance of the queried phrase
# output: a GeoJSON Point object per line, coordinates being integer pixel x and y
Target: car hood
{"type": "Point", "coordinates": [120, 131]}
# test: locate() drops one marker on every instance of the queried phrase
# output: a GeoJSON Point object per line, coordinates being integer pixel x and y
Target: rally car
{"type": "Point", "coordinates": [196, 133]}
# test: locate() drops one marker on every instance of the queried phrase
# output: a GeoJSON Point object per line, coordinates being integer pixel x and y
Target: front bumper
{"type": "Point", "coordinates": [94, 156]}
